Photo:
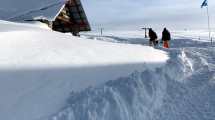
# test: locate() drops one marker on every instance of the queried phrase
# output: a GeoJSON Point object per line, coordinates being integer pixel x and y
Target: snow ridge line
{"type": "Point", "coordinates": [138, 96]}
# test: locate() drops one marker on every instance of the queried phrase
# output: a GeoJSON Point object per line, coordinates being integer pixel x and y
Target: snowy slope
{"type": "Point", "coordinates": [45, 75]}
{"type": "Point", "coordinates": [178, 91]}
{"type": "Point", "coordinates": [183, 89]}
{"type": "Point", "coordinates": [136, 36]}
{"type": "Point", "coordinates": [39, 68]}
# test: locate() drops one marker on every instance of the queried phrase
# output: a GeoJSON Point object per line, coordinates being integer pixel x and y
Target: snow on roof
{"type": "Point", "coordinates": [30, 9]}
{"type": "Point", "coordinates": [72, 18]}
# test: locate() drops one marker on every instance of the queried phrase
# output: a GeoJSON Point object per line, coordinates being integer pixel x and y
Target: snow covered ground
{"type": "Point", "coordinates": [136, 36]}
{"type": "Point", "coordinates": [39, 68]}
{"type": "Point", "coordinates": [180, 90]}
{"type": "Point", "coordinates": [46, 75]}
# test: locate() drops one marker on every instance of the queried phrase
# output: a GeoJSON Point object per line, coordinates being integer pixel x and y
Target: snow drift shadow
{"type": "Point", "coordinates": [43, 91]}
{"type": "Point", "coordinates": [164, 94]}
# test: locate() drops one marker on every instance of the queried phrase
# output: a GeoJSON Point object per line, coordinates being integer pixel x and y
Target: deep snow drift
{"type": "Point", "coordinates": [45, 75]}
{"type": "Point", "coordinates": [39, 68]}
{"type": "Point", "coordinates": [178, 91]}
{"type": "Point", "coordinates": [181, 90]}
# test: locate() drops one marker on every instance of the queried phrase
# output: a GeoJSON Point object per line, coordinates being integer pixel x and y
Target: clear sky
{"type": "Point", "coordinates": [134, 14]}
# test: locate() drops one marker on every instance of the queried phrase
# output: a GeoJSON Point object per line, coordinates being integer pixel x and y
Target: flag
{"type": "Point", "coordinates": [205, 3]}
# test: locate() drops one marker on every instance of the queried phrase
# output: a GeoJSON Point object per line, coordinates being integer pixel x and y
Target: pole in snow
{"type": "Point", "coordinates": [205, 4]}
{"type": "Point", "coordinates": [101, 31]}
{"type": "Point", "coordinates": [209, 28]}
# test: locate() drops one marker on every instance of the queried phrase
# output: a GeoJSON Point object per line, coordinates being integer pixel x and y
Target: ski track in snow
{"type": "Point", "coordinates": [181, 90]}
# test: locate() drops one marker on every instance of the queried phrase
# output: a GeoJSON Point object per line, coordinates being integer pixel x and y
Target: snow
{"type": "Point", "coordinates": [56, 48]}
{"type": "Point", "coordinates": [180, 90]}
{"type": "Point", "coordinates": [46, 75]}
{"type": "Point", "coordinates": [39, 68]}
{"type": "Point", "coordinates": [30, 9]}
{"type": "Point", "coordinates": [159, 95]}
{"type": "Point", "coordinates": [136, 36]}
{"type": "Point", "coordinates": [197, 35]}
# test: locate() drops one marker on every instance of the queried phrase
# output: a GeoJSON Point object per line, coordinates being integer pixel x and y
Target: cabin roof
{"type": "Point", "coordinates": [20, 10]}
{"type": "Point", "coordinates": [72, 18]}
{"type": "Point", "coordinates": [65, 15]}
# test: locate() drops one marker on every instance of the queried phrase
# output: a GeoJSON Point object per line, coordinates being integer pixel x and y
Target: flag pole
{"type": "Point", "coordinates": [209, 28]}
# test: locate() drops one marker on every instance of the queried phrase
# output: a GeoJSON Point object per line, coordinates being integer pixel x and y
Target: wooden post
{"type": "Point", "coordinates": [145, 31]}
{"type": "Point", "coordinates": [101, 31]}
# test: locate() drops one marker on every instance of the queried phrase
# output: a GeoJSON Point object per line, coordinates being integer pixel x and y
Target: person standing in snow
{"type": "Point", "coordinates": [166, 37]}
{"type": "Point", "coordinates": [152, 37]}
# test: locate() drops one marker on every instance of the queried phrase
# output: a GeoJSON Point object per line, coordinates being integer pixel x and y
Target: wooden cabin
{"type": "Point", "coordinates": [72, 19]}
{"type": "Point", "coordinates": [62, 15]}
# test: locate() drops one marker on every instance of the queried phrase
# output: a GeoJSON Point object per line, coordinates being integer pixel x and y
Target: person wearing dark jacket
{"type": "Point", "coordinates": [166, 37]}
{"type": "Point", "coordinates": [152, 37]}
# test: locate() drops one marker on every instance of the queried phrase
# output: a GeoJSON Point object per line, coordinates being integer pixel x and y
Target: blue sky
{"type": "Point", "coordinates": [133, 14]}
